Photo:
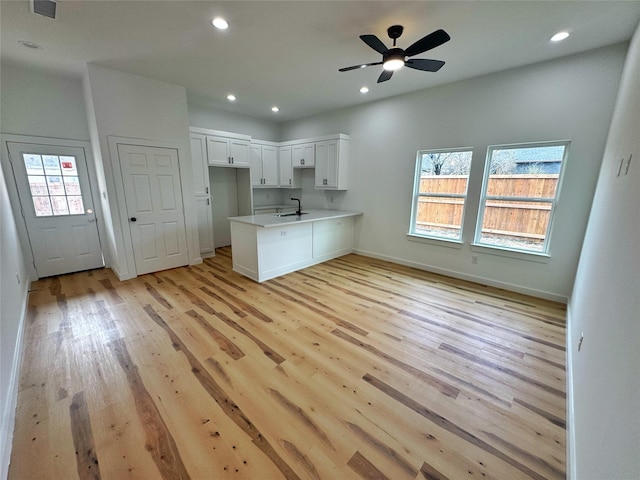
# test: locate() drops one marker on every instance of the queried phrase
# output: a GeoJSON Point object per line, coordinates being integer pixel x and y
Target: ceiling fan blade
{"type": "Point", "coordinates": [385, 75]}
{"type": "Point", "coordinates": [355, 67]}
{"type": "Point", "coordinates": [375, 43]}
{"type": "Point", "coordinates": [433, 40]}
{"type": "Point", "coordinates": [424, 64]}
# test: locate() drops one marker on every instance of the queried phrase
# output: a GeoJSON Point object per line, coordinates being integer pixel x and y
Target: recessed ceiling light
{"type": "Point", "coordinates": [275, 109]}
{"type": "Point", "coordinates": [31, 45]}
{"type": "Point", "coordinates": [558, 37]}
{"type": "Point", "coordinates": [363, 66]}
{"type": "Point", "coordinates": [231, 97]}
{"type": "Point", "coordinates": [364, 90]}
{"type": "Point", "coordinates": [220, 23]}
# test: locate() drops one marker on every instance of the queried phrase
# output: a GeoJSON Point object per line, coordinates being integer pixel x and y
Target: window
{"type": "Point", "coordinates": [519, 195]}
{"type": "Point", "coordinates": [439, 193]}
{"type": "Point", "coordinates": [54, 184]}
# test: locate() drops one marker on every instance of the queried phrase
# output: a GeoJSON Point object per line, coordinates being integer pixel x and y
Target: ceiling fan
{"type": "Point", "coordinates": [395, 58]}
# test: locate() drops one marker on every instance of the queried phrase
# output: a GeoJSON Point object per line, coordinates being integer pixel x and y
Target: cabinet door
{"type": "Point", "coordinates": [309, 154]}
{"type": "Point", "coordinates": [239, 152]}
{"type": "Point", "coordinates": [331, 164]}
{"type": "Point", "coordinates": [269, 166]}
{"type": "Point", "coordinates": [218, 151]}
{"type": "Point", "coordinates": [286, 167]}
{"type": "Point", "coordinates": [205, 226]}
{"type": "Point", "coordinates": [304, 155]}
{"type": "Point", "coordinates": [321, 164]}
{"type": "Point", "coordinates": [199, 161]}
{"type": "Point", "coordinates": [256, 165]}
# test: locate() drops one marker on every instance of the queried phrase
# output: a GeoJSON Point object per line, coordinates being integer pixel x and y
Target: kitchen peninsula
{"type": "Point", "coordinates": [267, 246]}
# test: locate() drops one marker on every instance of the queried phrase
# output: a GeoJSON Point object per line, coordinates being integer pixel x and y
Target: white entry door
{"type": "Point", "coordinates": [153, 195]}
{"type": "Point", "coordinates": [55, 198]}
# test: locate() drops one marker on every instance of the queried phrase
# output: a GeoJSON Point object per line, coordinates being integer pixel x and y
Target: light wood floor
{"type": "Point", "coordinates": [355, 368]}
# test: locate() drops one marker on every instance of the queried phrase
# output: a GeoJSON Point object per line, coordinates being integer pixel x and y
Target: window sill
{"type": "Point", "coordinates": [441, 242]}
{"type": "Point", "coordinates": [518, 255]}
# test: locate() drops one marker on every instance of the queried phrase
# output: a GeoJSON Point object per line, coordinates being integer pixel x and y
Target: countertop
{"type": "Point", "coordinates": [273, 220]}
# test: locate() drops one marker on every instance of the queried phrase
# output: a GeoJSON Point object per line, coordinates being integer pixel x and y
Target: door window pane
{"type": "Point", "coordinates": [51, 165]}
{"type": "Point", "coordinates": [38, 185]}
{"type": "Point", "coordinates": [75, 205]}
{"type": "Point", "coordinates": [42, 206]}
{"type": "Point", "coordinates": [54, 184]}
{"type": "Point", "coordinates": [59, 205]}
{"type": "Point", "coordinates": [56, 187]}
{"type": "Point", "coordinates": [72, 185]}
{"type": "Point", "coordinates": [68, 165]}
{"type": "Point", "coordinates": [33, 164]}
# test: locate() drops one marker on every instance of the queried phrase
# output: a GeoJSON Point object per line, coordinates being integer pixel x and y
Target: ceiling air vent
{"type": "Point", "coordinates": [46, 8]}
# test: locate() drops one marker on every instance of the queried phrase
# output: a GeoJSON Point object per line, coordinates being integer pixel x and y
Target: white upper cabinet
{"type": "Point", "coordinates": [227, 152]}
{"type": "Point", "coordinates": [264, 165]}
{"type": "Point", "coordinates": [287, 178]}
{"type": "Point", "coordinates": [332, 164]}
{"type": "Point", "coordinates": [200, 167]}
{"type": "Point", "coordinates": [304, 155]}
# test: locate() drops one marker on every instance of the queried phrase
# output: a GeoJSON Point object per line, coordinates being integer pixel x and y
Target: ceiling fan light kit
{"type": "Point", "coordinates": [395, 58]}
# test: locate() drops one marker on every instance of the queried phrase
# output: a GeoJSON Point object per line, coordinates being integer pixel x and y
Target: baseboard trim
{"type": "Point", "coordinates": [464, 276]}
{"type": "Point", "coordinates": [9, 409]}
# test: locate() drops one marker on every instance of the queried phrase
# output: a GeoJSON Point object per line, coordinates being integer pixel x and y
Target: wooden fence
{"type": "Point", "coordinates": [527, 220]}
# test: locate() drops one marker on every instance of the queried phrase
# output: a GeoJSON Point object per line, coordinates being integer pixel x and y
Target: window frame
{"type": "Point", "coordinates": [553, 201]}
{"type": "Point", "coordinates": [412, 234]}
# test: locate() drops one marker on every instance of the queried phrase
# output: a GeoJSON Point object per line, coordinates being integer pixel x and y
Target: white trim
{"type": "Point", "coordinates": [8, 420]}
{"type": "Point", "coordinates": [13, 191]}
{"type": "Point", "coordinates": [529, 256]}
{"type": "Point", "coordinates": [463, 276]}
{"type": "Point", "coordinates": [439, 241]}
{"type": "Point", "coordinates": [219, 133]}
{"type": "Point", "coordinates": [571, 430]}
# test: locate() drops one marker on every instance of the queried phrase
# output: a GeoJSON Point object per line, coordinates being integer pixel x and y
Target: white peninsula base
{"type": "Point", "coordinates": [267, 246]}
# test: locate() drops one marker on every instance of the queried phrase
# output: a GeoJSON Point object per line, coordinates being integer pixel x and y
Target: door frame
{"type": "Point", "coordinates": [16, 205]}
{"type": "Point", "coordinates": [188, 202]}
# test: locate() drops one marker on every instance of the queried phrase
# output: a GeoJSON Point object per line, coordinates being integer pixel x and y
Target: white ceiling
{"type": "Point", "coordinates": [287, 53]}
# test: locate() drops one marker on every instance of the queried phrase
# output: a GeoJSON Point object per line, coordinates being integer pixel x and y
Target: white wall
{"type": "Point", "coordinates": [604, 377]}
{"type": "Point", "coordinates": [41, 103]}
{"type": "Point", "coordinates": [570, 98]}
{"type": "Point", "coordinates": [206, 117]}
{"type": "Point", "coordinates": [124, 105]}
{"type": "Point", "coordinates": [34, 103]}
{"type": "Point", "coordinates": [13, 301]}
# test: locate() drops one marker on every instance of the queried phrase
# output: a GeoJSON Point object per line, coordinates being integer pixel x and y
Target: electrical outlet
{"type": "Point", "coordinates": [268, 196]}
{"type": "Point", "coordinates": [474, 259]}
{"type": "Point", "coordinates": [283, 233]}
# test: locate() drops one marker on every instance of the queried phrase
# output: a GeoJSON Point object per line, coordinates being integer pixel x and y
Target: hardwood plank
{"type": "Point", "coordinates": [354, 368]}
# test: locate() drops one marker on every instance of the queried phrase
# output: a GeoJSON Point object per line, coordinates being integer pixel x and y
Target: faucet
{"type": "Point", "coordinates": [299, 210]}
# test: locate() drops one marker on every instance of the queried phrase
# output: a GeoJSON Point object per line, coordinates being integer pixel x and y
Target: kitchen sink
{"type": "Point", "coordinates": [289, 214]}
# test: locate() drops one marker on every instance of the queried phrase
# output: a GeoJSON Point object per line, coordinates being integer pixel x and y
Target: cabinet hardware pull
{"type": "Point", "coordinates": [208, 202]}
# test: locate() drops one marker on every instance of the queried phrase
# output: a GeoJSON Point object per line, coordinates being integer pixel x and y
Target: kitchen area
{"type": "Point", "coordinates": [248, 194]}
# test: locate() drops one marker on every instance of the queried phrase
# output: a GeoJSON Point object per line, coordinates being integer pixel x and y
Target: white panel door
{"type": "Point", "coordinates": [151, 179]}
{"type": "Point", "coordinates": [55, 198]}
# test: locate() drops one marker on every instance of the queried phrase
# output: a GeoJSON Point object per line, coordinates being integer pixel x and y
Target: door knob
{"type": "Point", "coordinates": [133, 219]}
